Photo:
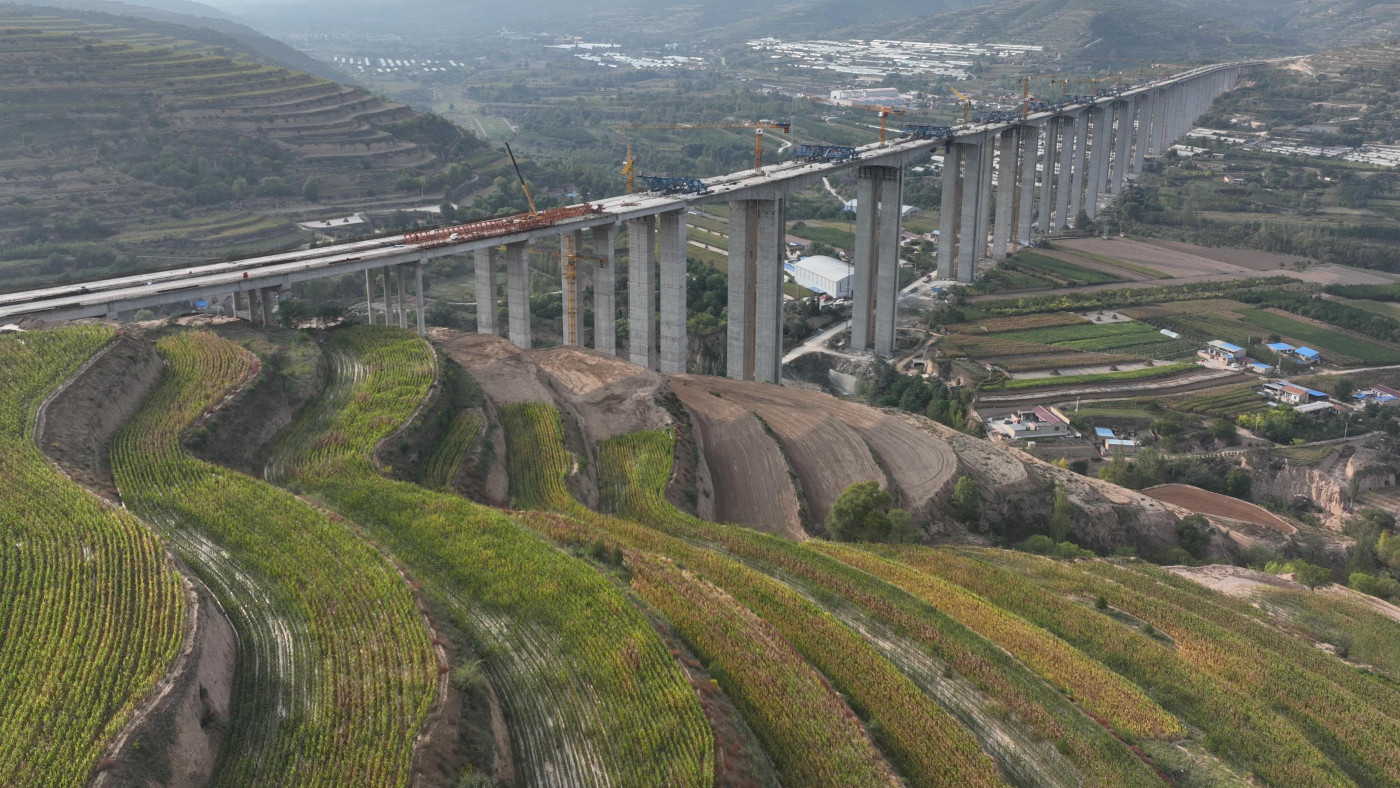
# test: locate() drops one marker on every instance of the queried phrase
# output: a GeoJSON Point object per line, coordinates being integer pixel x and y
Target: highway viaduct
{"type": "Point", "coordinates": [1002, 183]}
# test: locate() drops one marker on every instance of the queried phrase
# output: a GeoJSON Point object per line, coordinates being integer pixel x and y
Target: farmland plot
{"type": "Point", "coordinates": [90, 610]}
{"type": "Point", "coordinates": [321, 616]}
{"type": "Point", "coordinates": [592, 697]}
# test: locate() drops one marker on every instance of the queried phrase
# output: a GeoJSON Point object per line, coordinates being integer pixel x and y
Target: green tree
{"type": "Point", "coordinates": [1238, 483]}
{"type": "Point", "coordinates": [862, 514]}
{"type": "Point", "coordinates": [1059, 517]}
{"type": "Point", "coordinates": [311, 190]}
{"type": "Point", "coordinates": [1311, 575]}
{"type": "Point", "coordinates": [967, 499]}
{"type": "Point", "coordinates": [1342, 388]}
{"type": "Point", "coordinates": [1193, 534]}
{"type": "Point", "coordinates": [1224, 431]}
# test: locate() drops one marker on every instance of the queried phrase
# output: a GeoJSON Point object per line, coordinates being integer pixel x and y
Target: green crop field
{"type": "Point", "coordinates": [320, 615]}
{"type": "Point", "coordinates": [1146, 373]}
{"type": "Point", "coordinates": [91, 614]}
{"type": "Point", "coordinates": [592, 694]}
{"type": "Point", "coordinates": [1028, 269]}
{"type": "Point", "coordinates": [633, 643]}
{"type": "Point", "coordinates": [908, 719]}
{"type": "Point", "coordinates": [1229, 403]}
{"type": "Point", "coordinates": [1245, 325]}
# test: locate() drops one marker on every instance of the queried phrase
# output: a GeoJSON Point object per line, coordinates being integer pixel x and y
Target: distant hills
{"type": "Point", "coordinates": [129, 144]}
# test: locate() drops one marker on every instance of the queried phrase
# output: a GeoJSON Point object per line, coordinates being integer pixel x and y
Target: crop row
{"type": "Point", "coordinates": [1226, 403]}
{"type": "Point", "coordinates": [811, 736]}
{"type": "Point", "coordinates": [91, 614]}
{"type": "Point", "coordinates": [337, 671]}
{"type": "Point", "coordinates": [591, 694]}
{"type": "Point", "coordinates": [633, 471]}
{"type": "Point", "coordinates": [1193, 678]}
{"type": "Point", "coordinates": [1081, 331]}
{"type": "Point", "coordinates": [447, 457]}
{"type": "Point", "coordinates": [998, 325]}
{"type": "Point", "coordinates": [920, 737]}
{"type": "Point", "coordinates": [1107, 378]}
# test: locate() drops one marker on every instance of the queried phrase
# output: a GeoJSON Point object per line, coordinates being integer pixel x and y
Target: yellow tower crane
{"type": "Point", "coordinates": [758, 126]}
{"type": "Point", "coordinates": [966, 102]}
{"type": "Point", "coordinates": [569, 259]}
{"type": "Point", "coordinates": [885, 113]}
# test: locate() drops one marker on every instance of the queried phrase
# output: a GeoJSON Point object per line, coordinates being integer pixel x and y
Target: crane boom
{"type": "Point", "coordinates": [966, 102]}
{"type": "Point", "coordinates": [523, 187]}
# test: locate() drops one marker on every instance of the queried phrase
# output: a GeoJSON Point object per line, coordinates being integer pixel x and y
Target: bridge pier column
{"type": "Point", "coordinates": [518, 293]}
{"type": "Point", "coordinates": [1069, 132]}
{"type": "Point", "coordinates": [984, 198]}
{"type": "Point", "coordinates": [369, 297]}
{"type": "Point", "coordinates": [969, 203]}
{"type": "Point", "coordinates": [879, 195]}
{"type": "Point", "coordinates": [1099, 155]}
{"type": "Point", "coordinates": [1046, 205]}
{"type": "Point", "coordinates": [237, 309]}
{"type": "Point", "coordinates": [641, 291]}
{"type": "Point", "coordinates": [572, 291]}
{"type": "Point", "coordinates": [949, 211]}
{"type": "Point", "coordinates": [1077, 180]}
{"type": "Point", "coordinates": [604, 291]}
{"type": "Point", "coordinates": [1141, 131]}
{"type": "Point", "coordinates": [265, 297]}
{"type": "Point", "coordinates": [485, 260]}
{"type": "Point", "coordinates": [743, 265]}
{"type": "Point", "coordinates": [768, 291]}
{"type": "Point", "coordinates": [388, 307]}
{"type": "Point", "coordinates": [1006, 191]}
{"type": "Point", "coordinates": [403, 314]}
{"type": "Point", "coordinates": [1160, 107]}
{"type": "Point", "coordinates": [1025, 195]}
{"type": "Point", "coordinates": [1122, 138]}
{"type": "Point", "coordinates": [422, 304]}
{"type": "Point", "coordinates": [671, 243]}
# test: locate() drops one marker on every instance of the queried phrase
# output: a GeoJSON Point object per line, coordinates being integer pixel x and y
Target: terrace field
{"type": "Point", "coordinates": [628, 641]}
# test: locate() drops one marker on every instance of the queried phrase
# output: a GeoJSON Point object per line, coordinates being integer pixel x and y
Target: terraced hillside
{"type": "Point", "coordinates": [91, 612]}
{"type": "Point", "coordinates": [126, 146]}
{"type": "Point", "coordinates": [622, 640]}
{"type": "Point", "coordinates": [336, 671]}
{"type": "Point", "coordinates": [590, 692]}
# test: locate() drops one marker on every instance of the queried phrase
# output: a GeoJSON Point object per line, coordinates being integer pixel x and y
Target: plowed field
{"type": "Point", "coordinates": [751, 481]}
{"type": "Point", "coordinates": [832, 444]}
{"type": "Point", "coordinates": [1205, 502]}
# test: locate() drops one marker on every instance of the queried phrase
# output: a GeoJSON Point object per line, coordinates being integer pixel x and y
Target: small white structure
{"type": "Point", "coordinates": [824, 274]}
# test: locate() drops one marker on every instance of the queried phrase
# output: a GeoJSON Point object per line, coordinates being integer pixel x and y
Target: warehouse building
{"type": "Point", "coordinates": [824, 275]}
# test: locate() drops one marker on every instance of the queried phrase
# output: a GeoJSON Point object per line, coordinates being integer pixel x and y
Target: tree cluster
{"type": "Point", "coordinates": [863, 513]}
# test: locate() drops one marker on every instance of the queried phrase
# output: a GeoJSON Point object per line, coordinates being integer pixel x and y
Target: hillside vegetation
{"type": "Point", "coordinates": [336, 670]}
{"type": "Point", "coordinates": [593, 695]}
{"type": "Point", "coordinates": [124, 148]}
{"type": "Point", "coordinates": [91, 613]}
{"type": "Point", "coordinates": [630, 642]}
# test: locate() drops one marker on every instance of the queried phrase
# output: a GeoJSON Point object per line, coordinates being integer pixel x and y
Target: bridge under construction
{"type": "Point", "coordinates": [1003, 181]}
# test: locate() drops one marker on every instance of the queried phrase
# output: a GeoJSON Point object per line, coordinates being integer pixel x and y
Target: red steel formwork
{"type": "Point", "coordinates": [506, 225]}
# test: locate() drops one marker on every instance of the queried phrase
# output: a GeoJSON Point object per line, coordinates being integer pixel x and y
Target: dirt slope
{"type": "Point", "coordinates": [827, 454]}
{"type": "Point", "coordinates": [76, 426]}
{"type": "Point", "coordinates": [751, 481]}
{"type": "Point", "coordinates": [834, 443]}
